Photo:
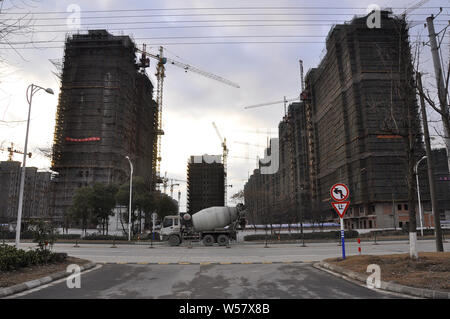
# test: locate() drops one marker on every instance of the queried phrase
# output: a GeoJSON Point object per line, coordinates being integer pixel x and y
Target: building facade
{"type": "Point", "coordinates": [205, 183]}
{"type": "Point", "coordinates": [350, 127]}
{"type": "Point", "coordinates": [38, 192]}
{"type": "Point", "coordinates": [105, 113]}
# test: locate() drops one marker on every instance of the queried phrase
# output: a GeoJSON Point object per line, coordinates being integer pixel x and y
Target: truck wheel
{"type": "Point", "coordinates": [208, 240]}
{"type": "Point", "coordinates": [174, 240]}
{"type": "Point", "coordinates": [222, 240]}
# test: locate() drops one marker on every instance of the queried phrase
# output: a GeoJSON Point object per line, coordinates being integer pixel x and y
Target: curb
{"type": "Point", "coordinates": [388, 286]}
{"type": "Point", "coordinates": [4, 292]}
{"type": "Point", "coordinates": [203, 263]}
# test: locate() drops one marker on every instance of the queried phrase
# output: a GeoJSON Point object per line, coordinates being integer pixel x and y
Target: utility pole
{"type": "Point", "coordinates": [440, 84]}
{"type": "Point", "coordinates": [431, 176]}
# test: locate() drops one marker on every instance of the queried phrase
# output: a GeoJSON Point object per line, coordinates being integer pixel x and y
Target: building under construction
{"type": "Point", "coordinates": [105, 112]}
{"type": "Point", "coordinates": [357, 109]}
{"type": "Point", "coordinates": [205, 183]}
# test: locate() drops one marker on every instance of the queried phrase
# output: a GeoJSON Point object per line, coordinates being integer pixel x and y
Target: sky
{"type": "Point", "coordinates": [256, 44]}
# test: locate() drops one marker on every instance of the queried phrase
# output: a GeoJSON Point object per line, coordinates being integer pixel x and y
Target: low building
{"type": "Point", "coordinates": [37, 196]}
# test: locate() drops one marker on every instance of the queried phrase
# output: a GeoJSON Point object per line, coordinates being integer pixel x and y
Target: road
{"type": "Point", "coordinates": [242, 271]}
{"type": "Point", "coordinates": [255, 253]}
{"type": "Point", "coordinates": [264, 281]}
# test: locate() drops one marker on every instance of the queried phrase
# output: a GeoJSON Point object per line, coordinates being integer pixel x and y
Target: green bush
{"type": "Point", "coordinates": [12, 258]}
{"type": "Point", "coordinates": [104, 237]}
{"type": "Point", "coordinates": [331, 235]}
{"type": "Point", "coordinates": [68, 236]}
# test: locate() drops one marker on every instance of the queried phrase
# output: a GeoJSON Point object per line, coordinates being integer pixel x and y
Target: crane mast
{"type": "Point", "coordinates": [224, 161]}
{"type": "Point", "coordinates": [160, 75]}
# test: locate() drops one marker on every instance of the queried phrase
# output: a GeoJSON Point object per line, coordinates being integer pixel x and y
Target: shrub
{"type": "Point", "coordinates": [12, 258]}
{"type": "Point", "coordinates": [104, 237]}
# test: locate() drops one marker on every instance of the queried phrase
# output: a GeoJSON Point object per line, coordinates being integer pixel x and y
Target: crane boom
{"type": "Point", "coordinates": [194, 69]}
{"type": "Point", "coordinates": [272, 103]}
{"type": "Point", "coordinates": [217, 131]}
{"type": "Point", "coordinates": [414, 7]}
{"type": "Point", "coordinates": [160, 75]}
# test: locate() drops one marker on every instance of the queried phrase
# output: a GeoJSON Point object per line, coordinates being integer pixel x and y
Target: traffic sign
{"type": "Point", "coordinates": [340, 192]}
{"type": "Point", "coordinates": [341, 208]}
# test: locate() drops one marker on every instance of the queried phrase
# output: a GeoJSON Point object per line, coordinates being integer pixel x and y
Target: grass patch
{"type": "Point", "coordinates": [430, 271]}
{"type": "Point", "coordinates": [15, 277]}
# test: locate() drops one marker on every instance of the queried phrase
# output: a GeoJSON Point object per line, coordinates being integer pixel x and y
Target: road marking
{"type": "Point", "coordinates": [122, 263]}
{"type": "Point", "coordinates": [267, 262]}
{"type": "Point", "coordinates": [205, 263]}
{"type": "Point", "coordinates": [184, 263]}
{"type": "Point", "coordinates": [143, 263]}
{"type": "Point", "coordinates": [247, 263]}
{"type": "Point", "coordinates": [163, 263]}
{"type": "Point", "coordinates": [225, 263]}
{"type": "Point", "coordinates": [50, 284]}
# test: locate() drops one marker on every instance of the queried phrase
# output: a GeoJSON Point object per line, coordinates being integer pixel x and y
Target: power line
{"type": "Point", "coordinates": [203, 37]}
{"type": "Point", "coordinates": [194, 43]}
{"type": "Point", "coordinates": [218, 8]}
{"type": "Point", "coordinates": [205, 21]}
{"type": "Point", "coordinates": [209, 14]}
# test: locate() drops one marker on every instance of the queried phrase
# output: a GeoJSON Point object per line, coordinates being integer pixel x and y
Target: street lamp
{"type": "Point", "coordinates": [131, 191]}
{"type": "Point", "coordinates": [418, 193]}
{"type": "Point", "coordinates": [31, 90]}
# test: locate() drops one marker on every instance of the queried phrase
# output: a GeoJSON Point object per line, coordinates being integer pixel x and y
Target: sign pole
{"type": "Point", "coordinates": [343, 238]}
{"type": "Point", "coordinates": [340, 193]}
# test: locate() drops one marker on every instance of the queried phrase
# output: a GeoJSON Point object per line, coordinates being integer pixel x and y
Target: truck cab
{"type": "Point", "coordinates": [171, 225]}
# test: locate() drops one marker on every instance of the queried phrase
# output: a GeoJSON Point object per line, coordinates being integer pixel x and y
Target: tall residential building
{"type": "Point", "coordinates": [105, 113]}
{"type": "Point", "coordinates": [350, 127]}
{"type": "Point", "coordinates": [357, 104]}
{"type": "Point", "coordinates": [205, 183]}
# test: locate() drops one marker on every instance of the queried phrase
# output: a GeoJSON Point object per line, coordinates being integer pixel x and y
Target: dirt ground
{"type": "Point", "coordinates": [430, 271]}
{"type": "Point", "coordinates": [19, 276]}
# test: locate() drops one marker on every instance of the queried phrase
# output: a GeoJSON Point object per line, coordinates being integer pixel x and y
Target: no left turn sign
{"type": "Point", "coordinates": [340, 192]}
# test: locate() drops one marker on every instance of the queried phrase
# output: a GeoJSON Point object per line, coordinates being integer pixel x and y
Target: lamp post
{"type": "Point", "coordinates": [131, 191]}
{"type": "Point", "coordinates": [418, 193]}
{"type": "Point", "coordinates": [31, 90]}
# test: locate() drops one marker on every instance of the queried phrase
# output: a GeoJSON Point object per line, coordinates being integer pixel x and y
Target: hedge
{"type": "Point", "coordinates": [297, 236]}
{"type": "Point", "coordinates": [30, 235]}
{"type": "Point", "coordinates": [104, 237]}
{"type": "Point", "coordinates": [12, 258]}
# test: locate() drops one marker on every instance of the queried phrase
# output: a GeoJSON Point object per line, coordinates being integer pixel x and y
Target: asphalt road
{"type": "Point", "coordinates": [237, 281]}
{"type": "Point", "coordinates": [238, 253]}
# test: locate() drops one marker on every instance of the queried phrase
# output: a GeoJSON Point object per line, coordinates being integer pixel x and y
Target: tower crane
{"type": "Point", "coordinates": [224, 159]}
{"type": "Point", "coordinates": [160, 75]}
{"type": "Point", "coordinates": [272, 103]}
{"type": "Point", "coordinates": [172, 184]}
{"type": "Point", "coordinates": [414, 7]}
{"type": "Point", "coordinates": [11, 151]}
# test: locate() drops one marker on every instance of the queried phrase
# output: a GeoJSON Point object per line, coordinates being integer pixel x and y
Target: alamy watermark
{"type": "Point", "coordinates": [74, 279]}
{"type": "Point", "coordinates": [374, 279]}
{"type": "Point", "coordinates": [374, 18]}
{"type": "Point", "coordinates": [74, 20]}
{"type": "Point", "coordinates": [271, 162]}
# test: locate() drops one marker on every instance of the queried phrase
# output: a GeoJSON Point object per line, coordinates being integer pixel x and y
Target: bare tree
{"type": "Point", "coordinates": [14, 24]}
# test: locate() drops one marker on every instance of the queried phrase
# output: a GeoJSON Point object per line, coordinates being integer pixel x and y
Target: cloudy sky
{"type": "Point", "coordinates": [256, 44]}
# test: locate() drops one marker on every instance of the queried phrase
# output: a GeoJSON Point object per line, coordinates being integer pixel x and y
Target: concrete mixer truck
{"type": "Point", "coordinates": [211, 225]}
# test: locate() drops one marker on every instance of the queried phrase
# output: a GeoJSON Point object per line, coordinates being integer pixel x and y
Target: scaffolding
{"type": "Point", "coordinates": [105, 113]}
